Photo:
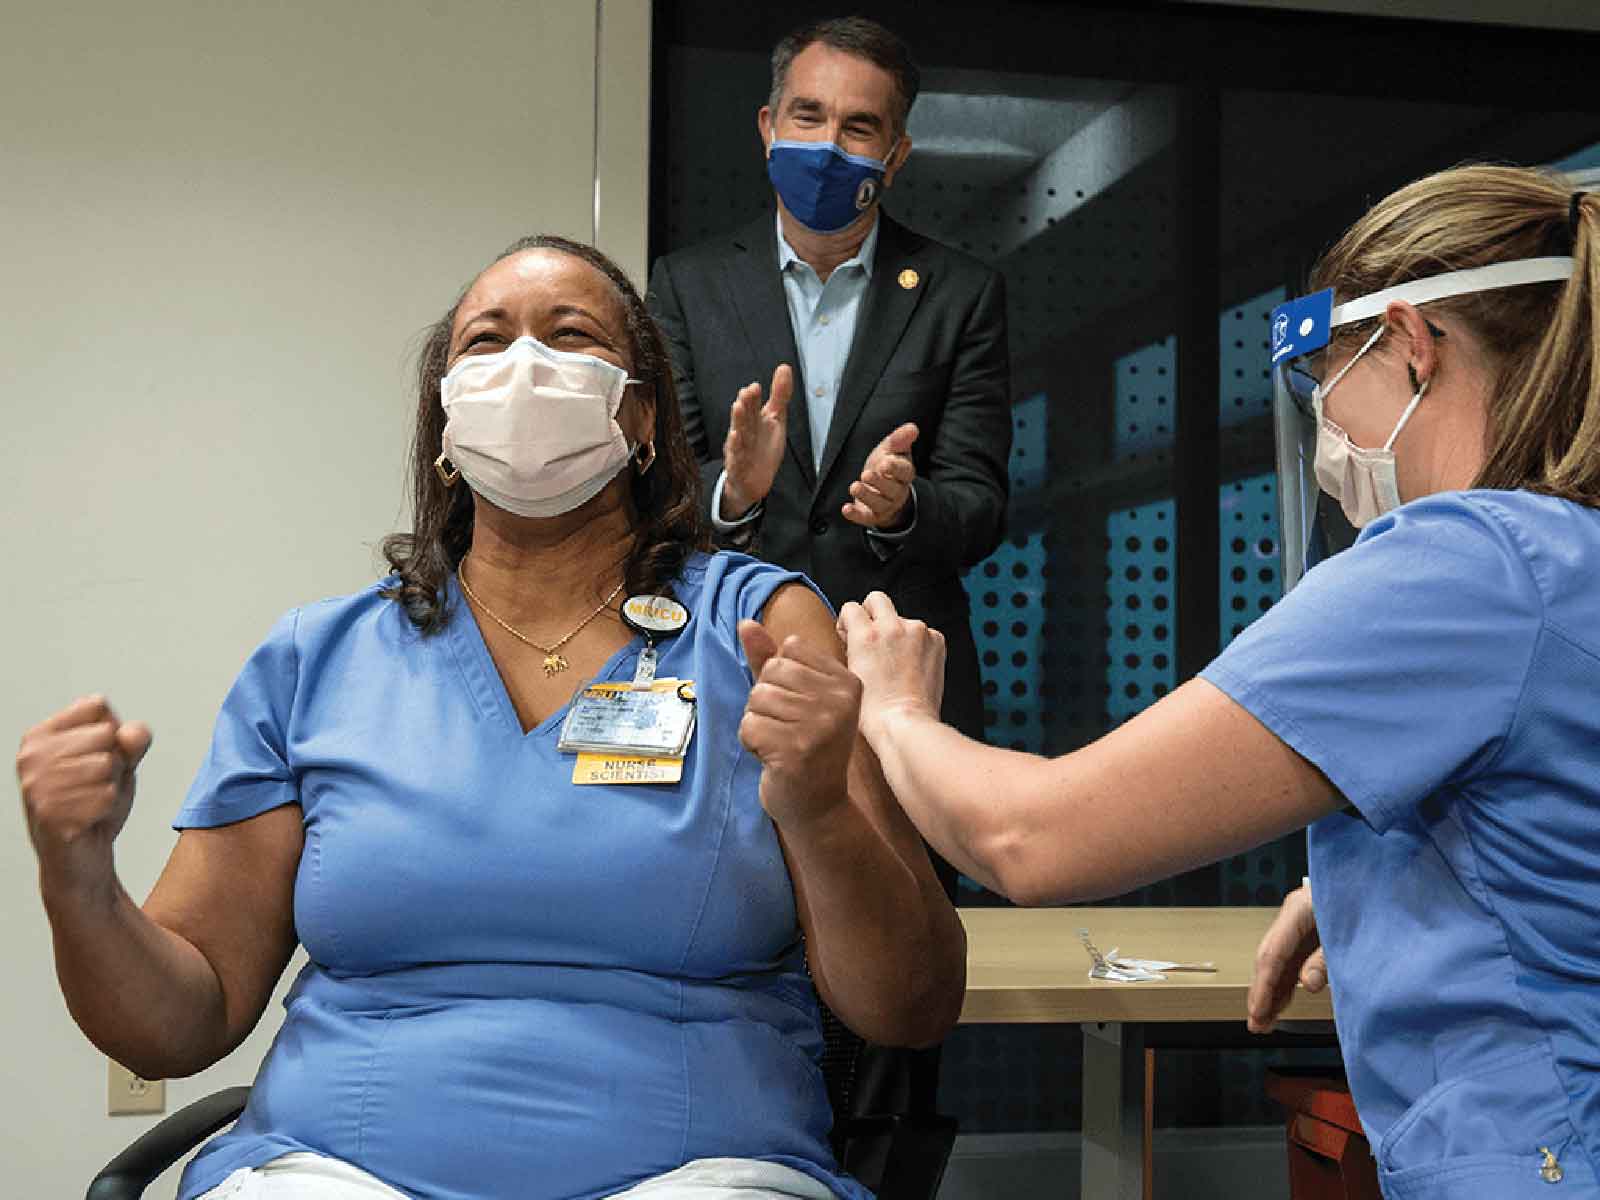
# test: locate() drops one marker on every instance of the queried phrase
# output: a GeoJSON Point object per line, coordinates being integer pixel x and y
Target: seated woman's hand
{"type": "Point", "coordinates": [800, 722]}
{"type": "Point", "coordinates": [900, 662]}
{"type": "Point", "coordinates": [76, 772]}
{"type": "Point", "coordinates": [1290, 950]}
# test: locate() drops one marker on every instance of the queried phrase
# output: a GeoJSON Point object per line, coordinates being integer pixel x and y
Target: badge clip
{"type": "Point", "coordinates": [652, 618]}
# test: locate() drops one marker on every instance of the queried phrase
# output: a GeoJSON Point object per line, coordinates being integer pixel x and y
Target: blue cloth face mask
{"type": "Point", "coordinates": [822, 186]}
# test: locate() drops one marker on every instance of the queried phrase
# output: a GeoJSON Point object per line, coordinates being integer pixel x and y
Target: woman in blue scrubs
{"type": "Point", "coordinates": [1428, 702]}
{"type": "Point", "coordinates": [533, 973]}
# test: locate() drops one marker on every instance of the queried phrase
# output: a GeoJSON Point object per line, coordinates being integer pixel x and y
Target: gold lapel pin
{"type": "Point", "coordinates": [909, 279]}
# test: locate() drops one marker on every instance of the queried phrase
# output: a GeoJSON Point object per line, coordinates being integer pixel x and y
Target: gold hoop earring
{"type": "Point", "coordinates": [642, 460]}
{"type": "Point", "coordinates": [446, 470]}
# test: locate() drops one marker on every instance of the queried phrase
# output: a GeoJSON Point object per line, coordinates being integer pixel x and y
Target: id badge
{"type": "Point", "coordinates": [619, 719]}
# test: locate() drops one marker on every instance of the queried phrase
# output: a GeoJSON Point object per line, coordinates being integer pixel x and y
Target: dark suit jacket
{"type": "Point", "coordinates": [933, 352]}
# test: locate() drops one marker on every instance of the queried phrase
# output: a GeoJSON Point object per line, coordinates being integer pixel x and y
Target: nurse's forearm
{"type": "Point", "coordinates": [970, 800]}
{"type": "Point", "coordinates": [885, 947]}
{"type": "Point", "coordinates": [143, 995]}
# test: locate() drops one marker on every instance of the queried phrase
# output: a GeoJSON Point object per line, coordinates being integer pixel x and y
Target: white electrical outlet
{"type": "Point", "coordinates": [129, 1093]}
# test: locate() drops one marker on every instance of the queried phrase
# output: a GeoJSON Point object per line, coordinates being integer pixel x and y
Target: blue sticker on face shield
{"type": "Point", "coordinates": [1301, 326]}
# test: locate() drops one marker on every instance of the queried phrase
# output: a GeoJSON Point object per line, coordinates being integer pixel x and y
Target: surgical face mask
{"type": "Point", "coordinates": [534, 430]}
{"type": "Point", "coordinates": [822, 186]}
{"type": "Point", "coordinates": [1362, 481]}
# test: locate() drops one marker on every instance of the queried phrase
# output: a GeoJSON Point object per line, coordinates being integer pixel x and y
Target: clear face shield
{"type": "Point", "coordinates": [1300, 332]}
{"type": "Point", "coordinates": [1312, 525]}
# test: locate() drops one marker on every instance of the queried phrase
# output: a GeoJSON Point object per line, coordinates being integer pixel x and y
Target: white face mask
{"type": "Point", "coordinates": [534, 430]}
{"type": "Point", "coordinates": [1362, 481]}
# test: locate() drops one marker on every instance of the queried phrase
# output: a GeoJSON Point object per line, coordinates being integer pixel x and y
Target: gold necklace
{"type": "Point", "coordinates": [554, 663]}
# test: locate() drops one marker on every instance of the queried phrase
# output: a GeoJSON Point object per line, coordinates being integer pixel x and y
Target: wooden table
{"type": "Point", "coordinates": [1027, 966]}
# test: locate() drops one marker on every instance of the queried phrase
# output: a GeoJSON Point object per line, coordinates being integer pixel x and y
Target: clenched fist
{"type": "Point", "coordinates": [77, 775]}
{"type": "Point", "coordinates": [800, 722]}
{"type": "Point", "coordinates": [900, 662]}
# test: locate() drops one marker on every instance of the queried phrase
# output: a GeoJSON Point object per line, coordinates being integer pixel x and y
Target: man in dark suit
{"type": "Point", "coordinates": [877, 459]}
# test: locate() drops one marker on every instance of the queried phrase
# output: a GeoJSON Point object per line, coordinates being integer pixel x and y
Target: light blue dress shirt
{"type": "Point", "coordinates": [1443, 674]}
{"type": "Point", "coordinates": [823, 318]}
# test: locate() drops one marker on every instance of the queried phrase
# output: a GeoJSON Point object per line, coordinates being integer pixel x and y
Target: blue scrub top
{"type": "Point", "coordinates": [519, 988]}
{"type": "Point", "coordinates": [1444, 673]}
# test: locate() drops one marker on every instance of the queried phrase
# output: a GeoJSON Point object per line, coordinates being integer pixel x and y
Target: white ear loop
{"type": "Point", "coordinates": [1406, 416]}
{"type": "Point", "coordinates": [1324, 388]}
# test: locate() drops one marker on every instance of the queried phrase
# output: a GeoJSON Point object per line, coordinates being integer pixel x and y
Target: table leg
{"type": "Point", "coordinates": [1113, 1111]}
{"type": "Point", "coordinates": [1149, 1127]}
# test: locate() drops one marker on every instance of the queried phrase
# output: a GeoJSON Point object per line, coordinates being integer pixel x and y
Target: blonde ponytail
{"type": "Point", "coordinates": [1545, 433]}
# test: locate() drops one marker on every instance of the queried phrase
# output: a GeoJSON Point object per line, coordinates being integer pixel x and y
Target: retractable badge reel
{"type": "Point", "coordinates": [653, 618]}
{"type": "Point", "coordinates": [635, 732]}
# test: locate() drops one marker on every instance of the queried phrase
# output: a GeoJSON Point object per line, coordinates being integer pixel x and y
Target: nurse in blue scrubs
{"type": "Point", "coordinates": [571, 817]}
{"type": "Point", "coordinates": [1428, 701]}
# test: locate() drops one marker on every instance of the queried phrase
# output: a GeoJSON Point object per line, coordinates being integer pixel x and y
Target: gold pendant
{"type": "Point", "coordinates": [554, 664]}
{"type": "Point", "coordinates": [1550, 1169]}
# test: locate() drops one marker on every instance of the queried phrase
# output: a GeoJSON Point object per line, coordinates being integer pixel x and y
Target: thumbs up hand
{"type": "Point", "coordinates": [800, 722]}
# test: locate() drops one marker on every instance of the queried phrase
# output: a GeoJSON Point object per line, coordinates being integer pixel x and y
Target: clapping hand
{"type": "Point", "coordinates": [753, 450]}
{"type": "Point", "coordinates": [879, 497]}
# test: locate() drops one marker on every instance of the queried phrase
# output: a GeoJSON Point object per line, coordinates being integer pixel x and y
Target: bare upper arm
{"type": "Point", "coordinates": [1191, 779]}
{"type": "Point", "coordinates": [229, 892]}
{"type": "Point", "coordinates": [795, 610]}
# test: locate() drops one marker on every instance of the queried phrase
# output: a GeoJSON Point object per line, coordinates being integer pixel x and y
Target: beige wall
{"type": "Point", "coordinates": [222, 226]}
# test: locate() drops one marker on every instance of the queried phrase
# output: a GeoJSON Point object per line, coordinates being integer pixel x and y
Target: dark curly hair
{"type": "Point", "coordinates": [667, 518]}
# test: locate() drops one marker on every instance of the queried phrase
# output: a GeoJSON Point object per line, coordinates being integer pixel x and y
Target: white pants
{"type": "Point", "coordinates": [313, 1177]}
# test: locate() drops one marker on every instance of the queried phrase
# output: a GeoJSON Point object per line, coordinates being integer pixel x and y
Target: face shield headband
{"type": "Point", "coordinates": [1303, 327]}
